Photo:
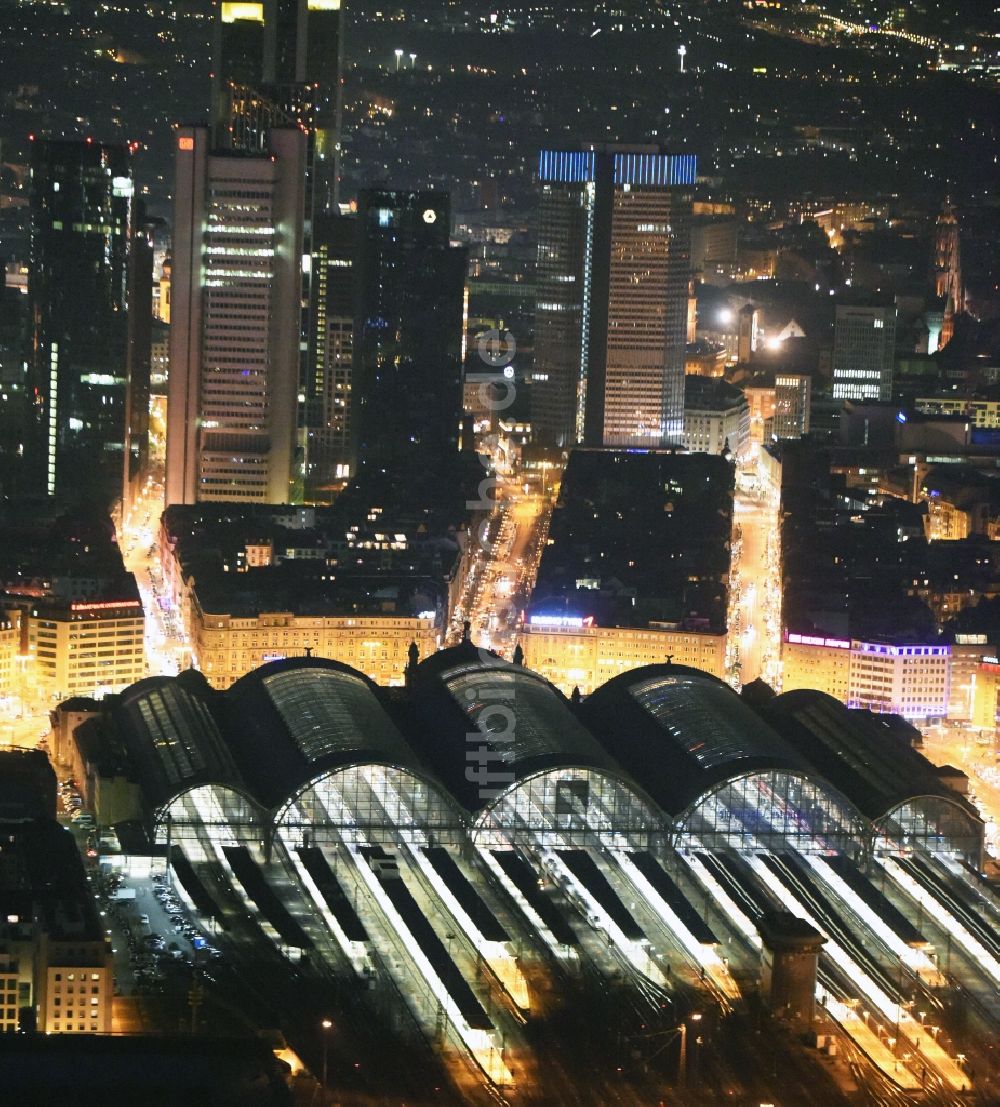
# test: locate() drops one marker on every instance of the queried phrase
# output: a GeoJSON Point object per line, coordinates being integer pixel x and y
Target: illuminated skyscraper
{"type": "Point", "coordinates": [239, 58]}
{"type": "Point", "coordinates": [328, 393]}
{"type": "Point", "coordinates": [278, 63]}
{"type": "Point", "coordinates": [612, 291]}
{"type": "Point", "coordinates": [234, 343]}
{"type": "Point", "coordinates": [82, 226]}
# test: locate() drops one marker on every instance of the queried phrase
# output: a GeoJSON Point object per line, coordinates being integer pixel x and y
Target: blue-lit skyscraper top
{"type": "Point", "coordinates": [656, 169]}
{"type": "Point", "coordinates": [638, 168]}
{"type": "Point", "coordinates": [567, 166]}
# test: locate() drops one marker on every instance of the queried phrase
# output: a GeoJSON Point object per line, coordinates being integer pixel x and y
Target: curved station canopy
{"type": "Point", "coordinates": [477, 744]}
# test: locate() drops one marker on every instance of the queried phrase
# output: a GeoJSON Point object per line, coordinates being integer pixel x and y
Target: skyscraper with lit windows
{"type": "Point", "coordinates": [864, 352]}
{"type": "Point", "coordinates": [234, 343]}
{"type": "Point", "coordinates": [612, 290]}
{"type": "Point", "coordinates": [328, 394]}
{"type": "Point", "coordinates": [278, 63]}
{"type": "Point", "coordinates": [79, 280]}
{"type": "Point", "coordinates": [238, 52]}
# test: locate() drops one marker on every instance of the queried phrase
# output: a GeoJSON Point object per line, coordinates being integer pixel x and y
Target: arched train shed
{"type": "Point", "coordinates": [304, 745]}
{"type": "Point", "coordinates": [190, 785]}
{"type": "Point", "coordinates": [724, 777]}
{"type": "Point", "coordinates": [509, 747]}
{"type": "Point", "coordinates": [905, 803]}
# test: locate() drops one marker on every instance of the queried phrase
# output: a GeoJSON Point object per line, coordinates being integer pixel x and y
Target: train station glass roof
{"type": "Point", "coordinates": [682, 732]}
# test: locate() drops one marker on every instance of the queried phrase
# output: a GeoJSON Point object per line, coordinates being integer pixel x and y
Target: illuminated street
{"type": "Point", "coordinates": [504, 573]}
{"type": "Point", "coordinates": [961, 747]}
{"type": "Point", "coordinates": [24, 716]}
{"type": "Point", "coordinates": [755, 603]}
{"type": "Point", "coordinates": [166, 649]}
{"type": "Point", "coordinates": [25, 731]}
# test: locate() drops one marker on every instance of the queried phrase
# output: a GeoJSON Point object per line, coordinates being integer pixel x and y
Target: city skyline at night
{"type": "Point", "coordinates": [500, 553]}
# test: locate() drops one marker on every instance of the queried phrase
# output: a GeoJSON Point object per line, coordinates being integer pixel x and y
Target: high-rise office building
{"type": "Point", "coordinates": [612, 296]}
{"type": "Point", "coordinates": [82, 235]}
{"type": "Point", "coordinates": [278, 63]}
{"type": "Point", "coordinates": [864, 350]}
{"type": "Point", "coordinates": [138, 364]}
{"type": "Point", "coordinates": [328, 413]}
{"type": "Point", "coordinates": [409, 324]}
{"type": "Point", "coordinates": [16, 410]}
{"type": "Point", "coordinates": [307, 50]}
{"type": "Point", "coordinates": [792, 398]}
{"type": "Point", "coordinates": [234, 343]}
{"type": "Point", "coordinates": [239, 59]}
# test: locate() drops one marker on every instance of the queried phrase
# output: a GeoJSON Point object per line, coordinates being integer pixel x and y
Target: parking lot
{"type": "Point", "coordinates": [71, 805]}
{"type": "Point", "coordinates": [157, 948]}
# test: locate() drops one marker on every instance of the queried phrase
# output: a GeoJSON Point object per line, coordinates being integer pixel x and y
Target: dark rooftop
{"type": "Point", "coordinates": [638, 537]}
{"type": "Point", "coordinates": [40, 866]}
{"type": "Point", "coordinates": [38, 1070]}
{"type": "Point", "coordinates": [711, 394]}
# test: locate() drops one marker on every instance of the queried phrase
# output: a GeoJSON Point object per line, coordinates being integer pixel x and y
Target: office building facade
{"type": "Point", "coordinates": [864, 350]}
{"type": "Point", "coordinates": [907, 679]}
{"type": "Point", "coordinates": [574, 652]}
{"type": "Point", "coordinates": [234, 344]}
{"type": "Point", "coordinates": [716, 418]}
{"type": "Point", "coordinates": [409, 325]}
{"type": "Point", "coordinates": [986, 696]}
{"type": "Point", "coordinates": [226, 646]}
{"type": "Point", "coordinates": [80, 281]}
{"type": "Point", "coordinates": [614, 259]}
{"type": "Point", "coordinates": [328, 428]}
{"type": "Point", "coordinates": [792, 397]}
{"type": "Point", "coordinates": [85, 647]}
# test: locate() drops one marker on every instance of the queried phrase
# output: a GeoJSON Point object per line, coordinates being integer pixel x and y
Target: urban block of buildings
{"type": "Point", "coordinates": [364, 581]}
{"type": "Point", "coordinates": [635, 568]}
{"type": "Point", "coordinates": [891, 679]}
{"type": "Point", "coordinates": [74, 620]}
{"type": "Point", "coordinates": [56, 970]}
